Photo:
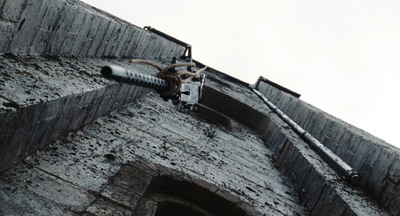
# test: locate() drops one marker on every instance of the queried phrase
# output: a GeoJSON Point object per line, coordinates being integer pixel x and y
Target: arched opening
{"type": "Point", "coordinates": [171, 196]}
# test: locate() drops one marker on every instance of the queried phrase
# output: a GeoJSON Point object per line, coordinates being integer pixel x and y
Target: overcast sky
{"type": "Point", "coordinates": [341, 56]}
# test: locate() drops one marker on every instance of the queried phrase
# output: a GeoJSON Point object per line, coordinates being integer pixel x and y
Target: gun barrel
{"type": "Point", "coordinates": [132, 77]}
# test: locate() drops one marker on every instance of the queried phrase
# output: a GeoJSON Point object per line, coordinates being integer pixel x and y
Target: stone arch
{"type": "Point", "coordinates": [172, 192]}
{"type": "Point", "coordinates": [176, 196]}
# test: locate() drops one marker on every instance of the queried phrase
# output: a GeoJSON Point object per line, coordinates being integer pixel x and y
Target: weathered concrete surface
{"type": "Point", "coordinates": [155, 132]}
{"type": "Point", "coordinates": [72, 28]}
{"type": "Point", "coordinates": [377, 161]}
{"type": "Point", "coordinates": [89, 168]}
{"type": "Point", "coordinates": [45, 98]}
{"type": "Point", "coordinates": [42, 99]}
{"type": "Point", "coordinates": [158, 126]}
{"type": "Point", "coordinates": [317, 185]}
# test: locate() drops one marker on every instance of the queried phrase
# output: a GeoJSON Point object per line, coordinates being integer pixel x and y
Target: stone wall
{"type": "Point", "coordinates": [72, 28]}
{"type": "Point", "coordinates": [52, 52]}
{"type": "Point", "coordinates": [49, 70]}
{"type": "Point", "coordinates": [322, 190]}
{"type": "Point", "coordinates": [91, 162]}
{"type": "Point", "coordinates": [43, 99]}
{"type": "Point", "coordinates": [119, 164]}
{"type": "Point", "coordinates": [377, 161]}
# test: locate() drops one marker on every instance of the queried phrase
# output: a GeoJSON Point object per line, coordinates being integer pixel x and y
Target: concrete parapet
{"type": "Point", "coordinates": [73, 29]}
{"type": "Point", "coordinates": [375, 160]}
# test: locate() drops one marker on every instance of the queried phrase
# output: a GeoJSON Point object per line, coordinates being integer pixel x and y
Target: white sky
{"type": "Point", "coordinates": [341, 56]}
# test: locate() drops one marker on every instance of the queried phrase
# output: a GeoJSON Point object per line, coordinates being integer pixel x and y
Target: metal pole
{"type": "Point", "coordinates": [331, 158]}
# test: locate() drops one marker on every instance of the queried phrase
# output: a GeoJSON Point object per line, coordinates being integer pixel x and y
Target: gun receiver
{"type": "Point", "coordinates": [188, 94]}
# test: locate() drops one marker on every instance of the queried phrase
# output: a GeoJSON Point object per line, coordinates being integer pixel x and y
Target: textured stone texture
{"type": "Point", "coordinates": [15, 201]}
{"type": "Point", "coordinates": [46, 98]}
{"type": "Point", "coordinates": [312, 178]}
{"type": "Point", "coordinates": [155, 132]}
{"type": "Point", "coordinates": [152, 131]}
{"type": "Point", "coordinates": [125, 162]}
{"type": "Point", "coordinates": [72, 28]}
{"type": "Point", "coordinates": [375, 160]}
{"type": "Point", "coordinates": [38, 98]}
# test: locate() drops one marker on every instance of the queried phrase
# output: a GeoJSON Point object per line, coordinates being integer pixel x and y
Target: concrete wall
{"type": "Point", "coordinates": [90, 163]}
{"type": "Point", "coordinates": [43, 98]}
{"type": "Point", "coordinates": [319, 187]}
{"type": "Point", "coordinates": [377, 162]}
{"type": "Point", "coordinates": [72, 28]}
{"type": "Point", "coordinates": [118, 164]}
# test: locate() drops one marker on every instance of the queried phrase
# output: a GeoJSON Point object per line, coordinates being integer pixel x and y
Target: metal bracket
{"type": "Point", "coordinates": [191, 92]}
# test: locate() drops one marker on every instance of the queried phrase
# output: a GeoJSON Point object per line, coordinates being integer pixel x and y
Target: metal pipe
{"type": "Point", "coordinates": [331, 158]}
{"type": "Point", "coordinates": [132, 77]}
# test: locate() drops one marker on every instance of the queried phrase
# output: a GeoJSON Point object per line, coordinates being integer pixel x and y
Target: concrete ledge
{"type": "Point", "coordinates": [377, 161]}
{"type": "Point", "coordinates": [214, 117]}
{"type": "Point", "coordinates": [72, 28]}
{"type": "Point", "coordinates": [44, 99]}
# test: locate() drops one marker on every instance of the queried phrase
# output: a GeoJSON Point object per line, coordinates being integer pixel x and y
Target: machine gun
{"type": "Point", "coordinates": [180, 86]}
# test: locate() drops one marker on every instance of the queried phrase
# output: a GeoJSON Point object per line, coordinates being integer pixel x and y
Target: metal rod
{"type": "Point", "coordinates": [132, 77]}
{"type": "Point", "coordinates": [331, 158]}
